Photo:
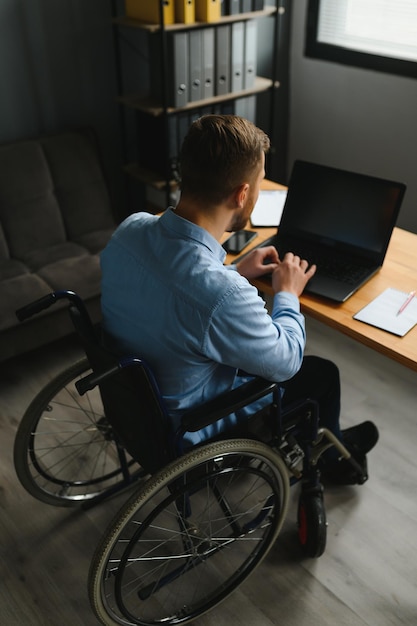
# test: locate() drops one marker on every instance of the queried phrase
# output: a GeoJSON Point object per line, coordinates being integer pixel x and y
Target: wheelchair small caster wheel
{"type": "Point", "coordinates": [312, 525]}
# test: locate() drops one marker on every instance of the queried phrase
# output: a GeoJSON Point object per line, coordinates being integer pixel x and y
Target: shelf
{"type": "Point", "coordinates": [149, 177]}
{"type": "Point", "coordinates": [151, 107]}
{"type": "Point", "coordinates": [153, 28]}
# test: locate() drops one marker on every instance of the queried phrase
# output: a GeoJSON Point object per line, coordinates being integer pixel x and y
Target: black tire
{"type": "Point", "coordinates": [312, 525]}
{"type": "Point", "coordinates": [161, 562]}
{"type": "Point", "coordinates": [64, 451]}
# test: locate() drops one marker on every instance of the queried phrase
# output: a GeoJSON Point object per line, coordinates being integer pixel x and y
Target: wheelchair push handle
{"type": "Point", "coordinates": [35, 307]}
{"type": "Point", "coordinates": [46, 301]}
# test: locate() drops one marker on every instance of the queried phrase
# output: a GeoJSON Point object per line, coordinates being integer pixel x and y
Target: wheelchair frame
{"type": "Point", "coordinates": [201, 520]}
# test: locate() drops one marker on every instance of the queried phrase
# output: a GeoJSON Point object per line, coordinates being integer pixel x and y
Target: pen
{"type": "Point", "coordinates": [406, 301]}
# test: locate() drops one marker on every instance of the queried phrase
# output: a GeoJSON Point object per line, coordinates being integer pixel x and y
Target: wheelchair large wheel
{"type": "Point", "coordinates": [190, 535]}
{"type": "Point", "coordinates": [64, 451]}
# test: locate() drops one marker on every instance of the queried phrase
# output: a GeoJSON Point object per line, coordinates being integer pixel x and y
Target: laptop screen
{"type": "Point", "coordinates": [341, 208]}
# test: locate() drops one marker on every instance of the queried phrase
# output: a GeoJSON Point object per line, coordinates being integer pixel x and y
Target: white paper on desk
{"type": "Point", "coordinates": [268, 208]}
{"type": "Point", "coordinates": [382, 312]}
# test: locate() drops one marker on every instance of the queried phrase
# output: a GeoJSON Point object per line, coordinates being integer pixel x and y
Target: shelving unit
{"type": "Point", "coordinates": [159, 114]}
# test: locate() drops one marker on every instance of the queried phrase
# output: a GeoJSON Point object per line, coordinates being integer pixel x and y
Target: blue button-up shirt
{"type": "Point", "coordinates": [168, 298]}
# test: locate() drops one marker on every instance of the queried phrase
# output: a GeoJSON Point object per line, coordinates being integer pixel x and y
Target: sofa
{"type": "Point", "coordinates": [55, 218]}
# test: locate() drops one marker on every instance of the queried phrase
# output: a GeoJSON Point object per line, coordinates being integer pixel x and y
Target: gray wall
{"type": "Point", "coordinates": [351, 118]}
{"type": "Point", "coordinates": [57, 71]}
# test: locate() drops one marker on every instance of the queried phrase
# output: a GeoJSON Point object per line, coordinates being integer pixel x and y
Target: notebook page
{"type": "Point", "coordinates": [268, 209]}
{"type": "Point", "coordinates": [382, 312]}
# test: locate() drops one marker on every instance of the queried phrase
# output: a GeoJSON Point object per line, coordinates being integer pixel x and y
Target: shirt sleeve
{"type": "Point", "coordinates": [243, 335]}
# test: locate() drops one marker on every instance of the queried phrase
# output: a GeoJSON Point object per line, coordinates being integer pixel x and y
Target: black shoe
{"type": "Point", "coordinates": [344, 472]}
{"type": "Point", "coordinates": [360, 439]}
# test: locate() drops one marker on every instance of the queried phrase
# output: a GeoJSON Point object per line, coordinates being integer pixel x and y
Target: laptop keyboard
{"type": "Point", "coordinates": [338, 268]}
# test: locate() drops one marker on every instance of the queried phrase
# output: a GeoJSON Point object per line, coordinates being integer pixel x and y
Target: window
{"type": "Point", "coordinates": [376, 34]}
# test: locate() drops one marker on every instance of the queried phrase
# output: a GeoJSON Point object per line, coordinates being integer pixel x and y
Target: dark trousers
{"type": "Point", "coordinates": [319, 380]}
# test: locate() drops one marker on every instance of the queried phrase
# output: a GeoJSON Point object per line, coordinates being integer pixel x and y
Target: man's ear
{"type": "Point", "coordinates": [240, 194]}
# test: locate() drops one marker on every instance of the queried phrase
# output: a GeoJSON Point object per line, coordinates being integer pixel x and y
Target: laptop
{"type": "Point", "coordinates": [339, 220]}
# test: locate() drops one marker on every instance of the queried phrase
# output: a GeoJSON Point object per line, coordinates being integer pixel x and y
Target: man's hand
{"type": "Point", "coordinates": [292, 274]}
{"type": "Point", "coordinates": [258, 262]}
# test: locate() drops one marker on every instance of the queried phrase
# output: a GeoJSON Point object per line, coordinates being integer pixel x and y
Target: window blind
{"type": "Point", "coordinates": [380, 27]}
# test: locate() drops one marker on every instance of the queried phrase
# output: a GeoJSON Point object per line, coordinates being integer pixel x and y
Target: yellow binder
{"type": "Point", "coordinates": [185, 11]}
{"type": "Point", "coordinates": [208, 10]}
{"type": "Point", "coordinates": [148, 10]}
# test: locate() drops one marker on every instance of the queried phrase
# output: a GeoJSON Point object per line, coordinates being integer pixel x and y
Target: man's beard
{"type": "Point", "coordinates": [238, 223]}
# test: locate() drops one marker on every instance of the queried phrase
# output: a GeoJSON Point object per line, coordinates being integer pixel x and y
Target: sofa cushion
{"type": "Point", "coordinates": [17, 292]}
{"type": "Point", "coordinates": [4, 248]}
{"type": "Point", "coordinates": [96, 241]}
{"type": "Point", "coordinates": [79, 274]}
{"type": "Point", "coordinates": [36, 259]}
{"type": "Point", "coordinates": [10, 268]}
{"type": "Point", "coordinates": [29, 211]}
{"type": "Point", "coordinates": [79, 183]}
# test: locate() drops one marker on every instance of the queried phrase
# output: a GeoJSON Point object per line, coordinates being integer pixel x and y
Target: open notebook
{"type": "Point", "coordinates": [384, 312]}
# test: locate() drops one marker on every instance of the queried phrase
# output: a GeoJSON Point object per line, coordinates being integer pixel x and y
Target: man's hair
{"type": "Point", "coordinates": [219, 153]}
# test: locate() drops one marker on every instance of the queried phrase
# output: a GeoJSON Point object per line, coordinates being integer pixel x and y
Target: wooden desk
{"type": "Point", "coordinates": [399, 270]}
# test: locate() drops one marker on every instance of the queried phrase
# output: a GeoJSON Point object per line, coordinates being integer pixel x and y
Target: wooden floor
{"type": "Point", "coordinates": [367, 576]}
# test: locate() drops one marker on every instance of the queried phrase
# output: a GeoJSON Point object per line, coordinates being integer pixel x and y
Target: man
{"type": "Point", "coordinates": [167, 296]}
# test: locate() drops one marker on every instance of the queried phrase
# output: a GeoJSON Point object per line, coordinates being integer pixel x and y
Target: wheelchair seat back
{"type": "Point", "coordinates": [131, 399]}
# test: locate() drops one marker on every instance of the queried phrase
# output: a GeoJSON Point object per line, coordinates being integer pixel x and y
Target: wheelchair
{"type": "Point", "coordinates": [200, 519]}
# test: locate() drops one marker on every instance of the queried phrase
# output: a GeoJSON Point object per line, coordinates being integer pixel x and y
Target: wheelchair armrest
{"type": "Point", "coordinates": [92, 380]}
{"type": "Point", "coordinates": [87, 383]}
{"type": "Point", "coordinates": [226, 403]}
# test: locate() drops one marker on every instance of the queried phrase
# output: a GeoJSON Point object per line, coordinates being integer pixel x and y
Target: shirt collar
{"type": "Point", "coordinates": [171, 221]}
